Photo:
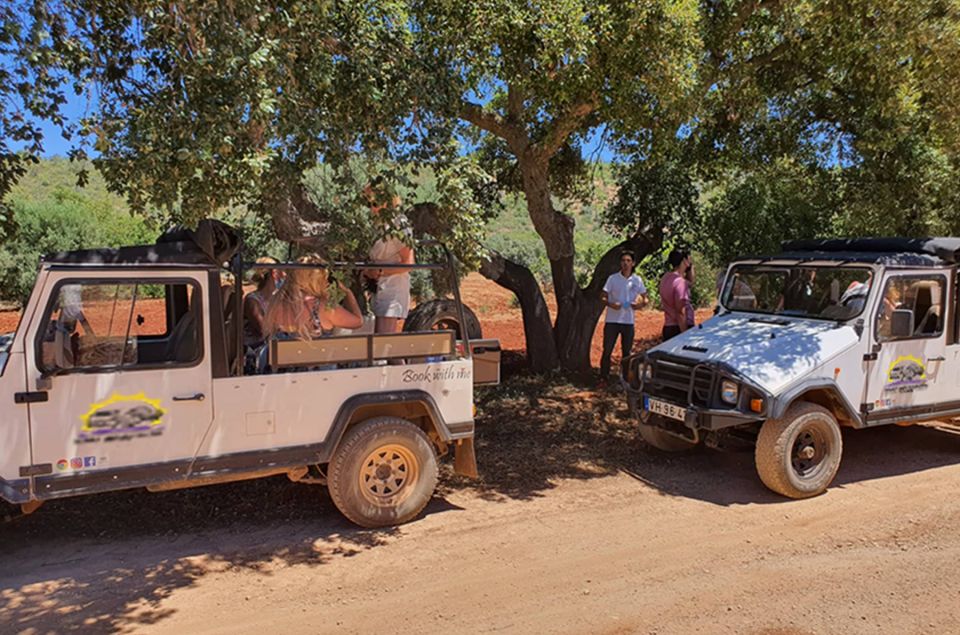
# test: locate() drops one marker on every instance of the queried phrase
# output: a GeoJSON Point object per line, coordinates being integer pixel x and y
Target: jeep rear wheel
{"type": "Point", "coordinates": [798, 455]}
{"type": "Point", "coordinates": [383, 473]}
{"type": "Point", "coordinates": [664, 441]}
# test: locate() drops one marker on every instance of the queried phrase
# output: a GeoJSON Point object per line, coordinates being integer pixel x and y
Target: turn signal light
{"type": "Point", "coordinates": [756, 405]}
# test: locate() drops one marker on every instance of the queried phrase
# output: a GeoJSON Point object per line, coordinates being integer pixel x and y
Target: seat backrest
{"type": "Point", "coordinates": [184, 342]}
{"type": "Point", "coordinates": [304, 353]}
{"type": "Point", "coordinates": [926, 306]}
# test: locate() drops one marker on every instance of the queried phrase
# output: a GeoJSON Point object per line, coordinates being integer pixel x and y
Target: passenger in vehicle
{"type": "Point", "coordinates": [255, 303]}
{"type": "Point", "coordinates": [306, 307]}
{"type": "Point", "coordinates": [391, 301]}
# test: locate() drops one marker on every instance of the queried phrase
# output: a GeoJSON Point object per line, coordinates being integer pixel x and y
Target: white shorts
{"type": "Point", "coordinates": [393, 296]}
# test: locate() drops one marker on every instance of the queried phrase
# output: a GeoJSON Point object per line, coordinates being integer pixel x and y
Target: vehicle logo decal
{"type": "Point", "coordinates": [121, 418]}
{"type": "Point", "coordinates": [907, 373]}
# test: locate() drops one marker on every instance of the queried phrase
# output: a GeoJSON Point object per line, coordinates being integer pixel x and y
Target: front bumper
{"type": "Point", "coordinates": [693, 386]}
{"type": "Point", "coordinates": [698, 417]}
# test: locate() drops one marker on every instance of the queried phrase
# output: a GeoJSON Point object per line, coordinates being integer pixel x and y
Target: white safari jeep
{"type": "Point", "coordinates": [127, 371]}
{"type": "Point", "coordinates": [855, 333]}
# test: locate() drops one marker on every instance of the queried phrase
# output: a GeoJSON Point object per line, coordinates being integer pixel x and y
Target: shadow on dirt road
{"type": "Point", "coordinates": [55, 564]}
{"type": "Point", "coordinates": [533, 433]}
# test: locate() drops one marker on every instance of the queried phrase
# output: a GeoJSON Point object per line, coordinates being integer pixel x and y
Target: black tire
{"type": "Point", "coordinates": [798, 455]}
{"type": "Point", "coordinates": [383, 473]}
{"type": "Point", "coordinates": [664, 441]}
{"type": "Point", "coordinates": [442, 314]}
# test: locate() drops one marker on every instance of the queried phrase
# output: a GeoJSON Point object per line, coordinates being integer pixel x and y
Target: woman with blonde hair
{"type": "Point", "coordinates": [302, 307]}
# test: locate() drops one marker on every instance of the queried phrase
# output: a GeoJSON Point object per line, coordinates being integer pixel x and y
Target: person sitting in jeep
{"type": "Point", "coordinates": [301, 308]}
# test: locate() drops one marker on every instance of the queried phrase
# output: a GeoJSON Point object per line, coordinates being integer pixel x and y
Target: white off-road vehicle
{"type": "Point", "coordinates": [855, 333]}
{"type": "Point", "coordinates": [127, 370]}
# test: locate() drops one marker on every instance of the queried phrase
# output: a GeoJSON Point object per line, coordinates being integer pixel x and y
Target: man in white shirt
{"type": "Point", "coordinates": [623, 294]}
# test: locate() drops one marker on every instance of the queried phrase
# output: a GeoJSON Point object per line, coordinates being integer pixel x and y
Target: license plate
{"type": "Point", "coordinates": [664, 409]}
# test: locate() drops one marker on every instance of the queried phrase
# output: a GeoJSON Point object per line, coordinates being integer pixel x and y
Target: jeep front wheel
{"type": "Point", "coordinates": [383, 473]}
{"type": "Point", "coordinates": [799, 455]}
{"type": "Point", "coordinates": [664, 441]}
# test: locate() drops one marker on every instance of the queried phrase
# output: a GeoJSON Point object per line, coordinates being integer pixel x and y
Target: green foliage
{"type": "Point", "coordinates": [56, 218]}
{"type": "Point", "coordinates": [654, 194]}
{"type": "Point", "coordinates": [745, 122]}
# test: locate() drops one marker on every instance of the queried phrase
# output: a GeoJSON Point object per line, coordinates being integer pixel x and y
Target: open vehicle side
{"type": "Point", "coordinates": [127, 371]}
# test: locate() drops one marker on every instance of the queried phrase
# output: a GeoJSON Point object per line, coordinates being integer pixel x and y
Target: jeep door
{"type": "Point", "coordinates": [909, 375]}
{"type": "Point", "coordinates": [117, 360]}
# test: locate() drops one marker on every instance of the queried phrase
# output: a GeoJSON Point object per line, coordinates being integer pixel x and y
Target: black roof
{"type": "Point", "coordinates": [898, 251]}
{"type": "Point", "coordinates": [211, 244]}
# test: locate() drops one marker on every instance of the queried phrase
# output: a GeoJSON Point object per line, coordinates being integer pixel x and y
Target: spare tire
{"type": "Point", "coordinates": [441, 314]}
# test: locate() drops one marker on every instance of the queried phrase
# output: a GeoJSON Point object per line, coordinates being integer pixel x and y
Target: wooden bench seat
{"type": "Point", "coordinates": [346, 349]}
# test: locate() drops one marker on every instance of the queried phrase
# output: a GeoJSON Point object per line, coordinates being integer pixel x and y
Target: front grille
{"type": "Point", "coordinates": [682, 381]}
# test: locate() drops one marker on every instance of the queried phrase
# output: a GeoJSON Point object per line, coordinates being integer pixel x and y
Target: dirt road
{"type": "Point", "coordinates": [634, 543]}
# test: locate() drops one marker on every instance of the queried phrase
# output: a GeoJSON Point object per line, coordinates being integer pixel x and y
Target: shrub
{"type": "Point", "coordinates": [65, 221]}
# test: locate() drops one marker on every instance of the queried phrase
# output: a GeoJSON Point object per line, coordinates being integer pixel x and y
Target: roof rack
{"type": "Point", "coordinates": [945, 248]}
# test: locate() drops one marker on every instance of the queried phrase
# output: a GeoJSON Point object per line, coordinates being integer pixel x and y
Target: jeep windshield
{"type": "Point", "coordinates": [826, 293]}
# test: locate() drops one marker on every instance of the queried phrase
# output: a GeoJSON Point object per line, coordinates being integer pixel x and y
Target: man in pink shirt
{"type": "Point", "coordinates": [678, 313]}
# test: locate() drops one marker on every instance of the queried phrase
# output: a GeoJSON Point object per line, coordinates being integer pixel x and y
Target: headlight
{"type": "Point", "coordinates": [729, 391]}
{"type": "Point", "coordinates": [647, 372]}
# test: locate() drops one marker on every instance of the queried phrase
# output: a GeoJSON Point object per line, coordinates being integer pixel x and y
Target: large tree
{"type": "Point", "coordinates": [205, 103]}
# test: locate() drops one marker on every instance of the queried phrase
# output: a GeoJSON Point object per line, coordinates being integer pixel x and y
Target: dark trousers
{"type": "Point", "coordinates": [670, 331]}
{"type": "Point", "coordinates": [611, 331]}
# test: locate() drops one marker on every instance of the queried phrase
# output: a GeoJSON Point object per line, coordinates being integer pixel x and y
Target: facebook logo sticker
{"type": "Point", "coordinates": [89, 461]}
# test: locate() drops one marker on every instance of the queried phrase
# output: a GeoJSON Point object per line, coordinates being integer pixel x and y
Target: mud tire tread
{"type": "Point", "coordinates": [775, 442]}
{"type": "Point", "coordinates": [355, 446]}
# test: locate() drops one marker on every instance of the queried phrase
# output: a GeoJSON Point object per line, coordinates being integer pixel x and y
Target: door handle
{"type": "Point", "coordinates": [941, 358]}
{"type": "Point", "coordinates": [194, 397]}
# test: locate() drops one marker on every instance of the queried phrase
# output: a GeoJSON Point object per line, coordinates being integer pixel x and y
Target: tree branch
{"type": "Point", "coordinates": [494, 124]}
{"type": "Point", "coordinates": [564, 126]}
{"type": "Point", "coordinates": [641, 244]}
{"type": "Point", "coordinates": [514, 104]}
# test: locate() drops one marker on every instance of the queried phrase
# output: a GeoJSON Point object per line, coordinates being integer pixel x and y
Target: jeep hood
{"type": "Point", "coordinates": [771, 351]}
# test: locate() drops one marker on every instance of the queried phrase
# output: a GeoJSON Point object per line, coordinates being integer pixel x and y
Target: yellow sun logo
{"type": "Point", "coordinates": [150, 411]}
{"type": "Point", "coordinates": [906, 368]}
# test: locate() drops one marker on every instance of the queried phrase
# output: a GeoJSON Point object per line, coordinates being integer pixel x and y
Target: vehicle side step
{"type": "Point", "coordinates": [294, 473]}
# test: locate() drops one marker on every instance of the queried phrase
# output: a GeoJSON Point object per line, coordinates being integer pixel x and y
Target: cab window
{"type": "Point", "coordinates": [123, 324]}
{"type": "Point", "coordinates": [911, 307]}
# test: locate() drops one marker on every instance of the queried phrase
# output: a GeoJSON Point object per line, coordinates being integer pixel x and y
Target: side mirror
{"type": "Point", "coordinates": [901, 323]}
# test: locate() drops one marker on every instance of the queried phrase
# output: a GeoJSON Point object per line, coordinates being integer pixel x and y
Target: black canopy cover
{"type": "Point", "coordinates": [945, 248]}
{"type": "Point", "coordinates": [212, 243]}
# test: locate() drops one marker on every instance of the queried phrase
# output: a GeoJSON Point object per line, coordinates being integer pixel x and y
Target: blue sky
{"type": "Point", "coordinates": [594, 148]}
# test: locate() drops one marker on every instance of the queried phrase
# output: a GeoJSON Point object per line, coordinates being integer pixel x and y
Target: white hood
{"type": "Point", "coordinates": [769, 350]}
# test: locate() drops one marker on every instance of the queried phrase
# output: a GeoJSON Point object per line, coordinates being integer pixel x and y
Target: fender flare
{"type": "Point", "coordinates": [783, 401]}
{"type": "Point", "coordinates": [392, 398]}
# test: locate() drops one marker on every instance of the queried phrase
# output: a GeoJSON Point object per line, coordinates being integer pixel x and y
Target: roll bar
{"type": "Point", "coordinates": [238, 266]}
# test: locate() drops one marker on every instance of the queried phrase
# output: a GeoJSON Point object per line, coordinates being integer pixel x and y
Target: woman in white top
{"type": "Point", "coordinates": [392, 300]}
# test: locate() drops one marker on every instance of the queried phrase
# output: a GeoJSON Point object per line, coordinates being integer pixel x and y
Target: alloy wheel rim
{"type": "Point", "coordinates": [387, 475]}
